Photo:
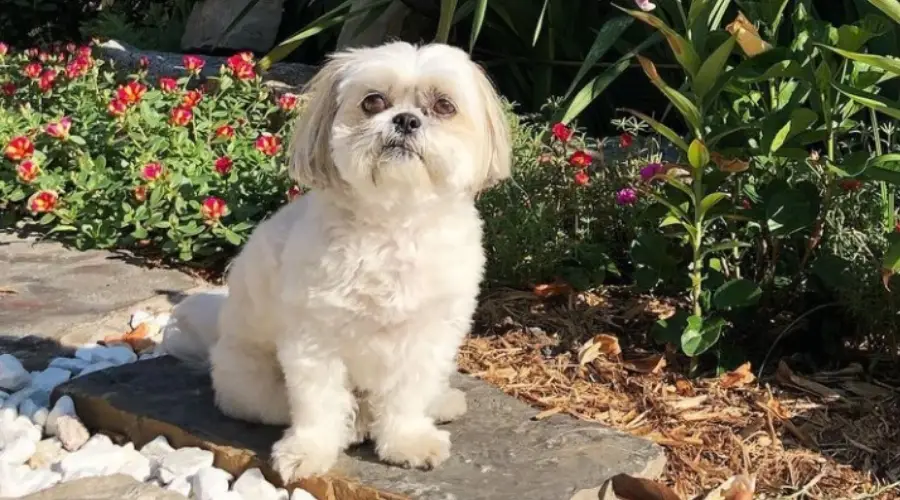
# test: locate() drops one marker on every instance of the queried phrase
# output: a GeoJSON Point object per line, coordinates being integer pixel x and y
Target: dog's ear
{"type": "Point", "coordinates": [310, 153]}
{"type": "Point", "coordinates": [498, 148]}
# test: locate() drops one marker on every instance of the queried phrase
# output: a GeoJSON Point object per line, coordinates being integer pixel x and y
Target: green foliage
{"type": "Point", "coordinates": [158, 26]}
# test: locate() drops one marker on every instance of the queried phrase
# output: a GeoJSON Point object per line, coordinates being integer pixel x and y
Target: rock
{"type": "Point", "coordinates": [90, 461]}
{"type": "Point", "coordinates": [48, 379]}
{"type": "Point", "coordinates": [301, 494]}
{"type": "Point", "coordinates": [115, 487]}
{"type": "Point", "coordinates": [13, 429]}
{"type": "Point", "coordinates": [34, 352]}
{"type": "Point", "coordinates": [136, 465]}
{"type": "Point", "coordinates": [15, 399]}
{"type": "Point", "coordinates": [527, 459]}
{"type": "Point", "coordinates": [255, 32]}
{"type": "Point", "coordinates": [119, 354]}
{"type": "Point", "coordinates": [95, 367]}
{"type": "Point", "coordinates": [47, 452]}
{"type": "Point", "coordinates": [183, 462]}
{"type": "Point", "coordinates": [13, 376]}
{"type": "Point", "coordinates": [252, 484]}
{"type": "Point", "coordinates": [71, 432]}
{"type": "Point", "coordinates": [99, 441]}
{"type": "Point", "coordinates": [37, 414]}
{"type": "Point", "coordinates": [19, 450]}
{"type": "Point", "coordinates": [73, 365]}
{"type": "Point", "coordinates": [155, 451]}
{"type": "Point", "coordinates": [20, 480]}
{"type": "Point", "coordinates": [63, 406]}
{"type": "Point", "coordinates": [181, 485]}
{"type": "Point", "coordinates": [210, 483]}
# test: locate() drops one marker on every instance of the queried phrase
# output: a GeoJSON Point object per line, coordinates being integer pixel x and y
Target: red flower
{"type": "Point", "coordinates": [75, 69]}
{"type": "Point", "coordinates": [241, 65]}
{"type": "Point", "coordinates": [626, 140]}
{"type": "Point", "coordinates": [33, 70]}
{"type": "Point", "coordinates": [582, 177]}
{"type": "Point", "coordinates": [117, 107]}
{"type": "Point", "coordinates": [19, 148]}
{"type": "Point", "coordinates": [213, 208]}
{"type": "Point", "coordinates": [4, 49]}
{"type": "Point", "coordinates": [268, 144]}
{"type": "Point", "coordinates": [562, 132]}
{"type": "Point", "coordinates": [60, 129]}
{"type": "Point", "coordinates": [167, 84]}
{"type": "Point", "coordinates": [43, 201]}
{"type": "Point", "coordinates": [192, 64]}
{"type": "Point", "coordinates": [27, 171]}
{"type": "Point", "coordinates": [140, 193]}
{"type": "Point", "coordinates": [9, 88]}
{"type": "Point", "coordinates": [897, 227]}
{"type": "Point", "coordinates": [745, 204]}
{"type": "Point", "coordinates": [144, 62]}
{"type": "Point", "coordinates": [152, 171]}
{"type": "Point", "coordinates": [849, 185]}
{"type": "Point", "coordinates": [225, 132]}
{"type": "Point", "coordinates": [223, 165]}
{"type": "Point", "coordinates": [287, 102]}
{"type": "Point", "coordinates": [85, 51]}
{"type": "Point", "coordinates": [131, 92]}
{"type": "Point", "coordinates": [191, 98]}
{"type": "Point", "coordinates": [294, 192]}
{"type": "Point", "coordinates": [580, 159]}
{"type": "Point", "coordinates": [181, 116]}
{"type": "Point", "coordinates": [47, 79]}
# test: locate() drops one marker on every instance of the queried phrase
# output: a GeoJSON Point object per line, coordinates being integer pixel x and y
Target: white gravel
{"type": "Point", "coordinates": [42, 446]}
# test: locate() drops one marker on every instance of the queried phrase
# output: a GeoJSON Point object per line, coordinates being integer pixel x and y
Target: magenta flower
{"type": "Point", "coordinates": [645, 5]}
{"type": "Point", "coordinates": [626, 196]}
{"type": "Point", "coordinates": [651, 171]}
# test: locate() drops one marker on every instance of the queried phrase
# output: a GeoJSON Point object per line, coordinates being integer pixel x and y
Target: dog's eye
{"type": "Point", "coordinates": [444, 107]}
{"type": "Point", "coordinates": [374, 103]}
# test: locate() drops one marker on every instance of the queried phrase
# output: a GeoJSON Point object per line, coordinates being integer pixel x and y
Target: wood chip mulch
{"type": "Point", "coordinates": [826, 435]}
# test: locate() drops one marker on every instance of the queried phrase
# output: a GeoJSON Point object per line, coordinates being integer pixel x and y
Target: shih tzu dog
{"type": "Point", "coordinates": [344, 311]}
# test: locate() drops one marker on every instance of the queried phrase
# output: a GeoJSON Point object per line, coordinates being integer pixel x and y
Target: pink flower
{"type": "Point", "coordinates": [32, 70]}
{"type": "Point", "coordinates": [191, 98]}
{"type": "Point", "coordinates": [626, 196]}
{"type": "Point", "coordinates": [43, 201]}
{"type": "Point", "coordinates": [223, 165]}
{"type": "Point", "coordinates": [268, 144]}
{"type": "Point", "coordinates": [27, 171]}
{"type": "Point", "coordinates": [4, 49]}
{"type": "Point", "coordinates": [651, 171]}
{"type": "Point", "coordinates": [213, 209]}
{"type": "Point", "coordinates": [32, 52]}
{"type": "Point", "coordinates": [626, 140]}
{"type": "Point", "coordinates": [9, 88]}
{"type": "Point", "coordinates": [562, 132]}
{"type": "Point", "coordinates": [71, 47]}
{"type": "Point", "coordinates": [47, 79]}
{"type": "Point", "coordinates": [60, 129]}
{"type": "Point", "coordinates": [117, 107]}
{"type": "Point", "coordinates": [140, 193]}
{"type": "Point", "coordinates": [131, 93]}
{"type": "Point", "coordinates": [19, 148]}
{"type": "Point", "coordinates": [225, 132]}
{"type": "Point", "coordinates": [645, 5]}
{"type": "Point", "coordinates": [192, 64]}
{"type": "Point", "coordinates": [241, 65]}
{"type": "Point", "coordinates": [294, 192]}
{"type": "Point", "coordinates": [167, 84]}
{"type": "Point", "coordinates": [144, 62]}
{"type": "Point", "coordinates": [287, 101]}
{"type": "Point", "coordinates": [181, 116]}
{"type": "Point", "coordinates": [582, 178]}
{"type": "Point", "coordinates": [152, 171]}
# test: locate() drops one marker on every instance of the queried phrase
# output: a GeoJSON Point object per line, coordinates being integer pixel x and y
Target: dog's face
{"type": "Point", "coordinates": [402, 119]}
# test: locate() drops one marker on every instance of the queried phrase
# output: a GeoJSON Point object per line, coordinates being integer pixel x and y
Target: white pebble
{"type": "Point", "coordinates": [73, 365]}
{"type": "Point", "coordinates": [48, 379]}
{"type": "Point", "coordinates": [119, 354]}
{"type": "Point", "coordinates": [90, 462]}
{"type": "Point", "coordinates": [180, 485]}
{"type": "Point", "coordinates": [136, 465]}
{"type": "Point", "coordinates": [95, 367]}
{"type": "Point", "coordinates": [99, 442]}
{"type": "Point", "coordinates": [63, 406]}
{"type": "Point", "coordinates": [210, 483]}
{"type": "Point", "coordinates": [252, 484]}
{"type": "Point", "coordinates": [19, 426]}
{"type": "Point", "coordinates": [34, 412]}
{"type": "Point", "coordinates": [184, 462]}
{"type": "Point", "coordinates": [20, 480]}
{"type": "Point", "coordinates": [48, 452]}
{"type": "Point", "coordinates": [71, 432]}
{"type": "Point", "coordinates": [7, 415]}
{"type": "Point", "coordinates": [301, 494]}
{"type": "Point", "coordinates": [19, 450]}
{"type": "Point", "coordinates": [155, 451]}
{"type": "Point", "coordinates": [13, 376]}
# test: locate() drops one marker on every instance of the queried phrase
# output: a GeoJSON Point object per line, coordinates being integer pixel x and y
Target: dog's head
{"type": "Point", "coordinates": [404, 119]}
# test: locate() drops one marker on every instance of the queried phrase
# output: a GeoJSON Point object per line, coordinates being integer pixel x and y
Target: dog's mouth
{"type": "Point", "coordinates": [401, 149]}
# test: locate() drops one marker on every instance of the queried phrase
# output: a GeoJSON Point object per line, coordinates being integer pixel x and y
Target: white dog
{"type": "Point", "coordinates": [344, 311]}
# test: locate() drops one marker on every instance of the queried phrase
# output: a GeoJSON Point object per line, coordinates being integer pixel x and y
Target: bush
{"type": "Point", "coordinates": [105, 162]}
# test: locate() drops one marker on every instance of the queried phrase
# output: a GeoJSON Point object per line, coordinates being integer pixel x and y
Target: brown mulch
{"type": "Point", "coordinates": [825, 435]}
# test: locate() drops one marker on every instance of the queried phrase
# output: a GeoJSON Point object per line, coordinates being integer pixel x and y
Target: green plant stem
{"type": "Point", "coordinates": [887, 194]}
{"type": "Point", "coordinates": [697, 268]}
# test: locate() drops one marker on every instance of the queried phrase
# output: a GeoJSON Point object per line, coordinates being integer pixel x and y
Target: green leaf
{"type": "Point", "coordinates": [683, 50]}
{"type": "Point", "coordinates": [710, 201]}
{"type": "Point", "coordinates": [684, 106]}
{"type": "Point", "coordinates": [539, 24]}
{"type": "Point", "coordinates": [891, 261]}
{"type": "Point", "coordinates": [477, 21]}
{"type": "Point", "coordinates": [727, 245]}
{"type": "Point", "coordinates": [663, 130]}
{"type": "Point", "coordinates": [669, 330]}
{"type": "Point", "coordinates": [699, 336]}
{"type": "Point", "coordinates": [711, 69]}
{"type": "Point", "coordinates": [610, 32]}
{"type": "Point", "coordinates": [448, 7]}
{"type": "Point", "coordinates": [800, 120]}
{"type": "Point", "coordinates": [737, 293]}
{"type": "Point", "coordinates": [75, 139]}
{"type": "Point", "coordinates": [891, 8]}
{"type": "Point", "coordinates": [232, 237]}
{"type": "Point", "coordinates": [868, 99]}
{"type": "Point", "coordinates": [889, 64]}
{"type": "Point", "coordinates": [698, 155]}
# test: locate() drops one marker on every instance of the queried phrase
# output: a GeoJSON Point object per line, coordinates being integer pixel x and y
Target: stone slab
{"type": "Point", "coordinates": [117, 487]}
{"type": "Point", "coordinates": [499, 451]}
{"type": "Point", "coordinates": [53, 291]}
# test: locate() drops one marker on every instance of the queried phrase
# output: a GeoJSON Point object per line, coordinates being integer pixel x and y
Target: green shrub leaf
{"type": "Point", "coordinates": [737, 293]}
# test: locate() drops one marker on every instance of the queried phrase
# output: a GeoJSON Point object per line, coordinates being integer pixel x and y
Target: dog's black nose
{"type": "Point", "coordinates": [407, 123]}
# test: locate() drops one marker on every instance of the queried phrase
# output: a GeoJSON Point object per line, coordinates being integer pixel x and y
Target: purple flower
{"type": "Point", "coordinates": [650, 171]}
{"type": "Point", "coordinates": [645, 5]}
{"type": "Point", "coordinates": [626, 196]}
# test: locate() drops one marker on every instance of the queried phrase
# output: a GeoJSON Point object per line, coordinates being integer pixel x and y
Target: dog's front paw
{"type": "Point", "coordinates": [303, 453]}
{"type": "Point", "coordinates": [425, 449]}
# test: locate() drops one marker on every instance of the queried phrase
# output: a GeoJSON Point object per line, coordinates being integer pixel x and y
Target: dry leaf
{"type": "Point", "coordinates": [7, 291]}
{"type": "Point", "coordinates": [740, 377]}
{"type": "Point", "coordinates": [649, 69]}
{"type": "Point", "coordinates": [689, 403]}
{"type": "Point", "coordinates": [548, 290]}
{"type": "Point", "coordinates": [650, 364]}
{"type": "Point", "coordinates": [625, 487]}
{"type": "Point", "coordinates": [602, 344]}
{"type": "Point", "coordinates": [786, 376]}
{"type": "Point", "coordinates": [735, 488]}
{"type": "Point", "coordinates": [747, 36]}
{"type": "Point", "coordinates": [684, 387]}
{"type": "Point", "coordinates": [731, 165]}
{"type": "Point", "coordinates": [547, 413]}
{"type": "Point", "coordinates": [775, 408]}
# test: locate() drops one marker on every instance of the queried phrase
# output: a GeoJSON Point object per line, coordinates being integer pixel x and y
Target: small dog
{"type": "Point", "coordinates": [344, 311]}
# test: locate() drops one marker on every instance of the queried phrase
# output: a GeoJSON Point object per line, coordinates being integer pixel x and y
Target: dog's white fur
{"type": "Point", "coordinates": [344, 311]}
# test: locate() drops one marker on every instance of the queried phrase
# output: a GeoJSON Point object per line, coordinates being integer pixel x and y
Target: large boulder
{"type": "Point", "coordinates": [257, 31]}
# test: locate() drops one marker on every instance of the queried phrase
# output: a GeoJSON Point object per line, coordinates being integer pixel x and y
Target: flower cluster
{"type": "Point", "coordinates": [580, 159]}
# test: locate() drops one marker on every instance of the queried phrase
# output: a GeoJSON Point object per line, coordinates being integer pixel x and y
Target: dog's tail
{"type": "Point", "coordinates": [194, 327]}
